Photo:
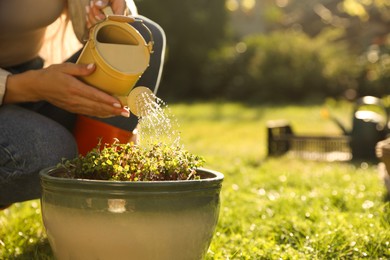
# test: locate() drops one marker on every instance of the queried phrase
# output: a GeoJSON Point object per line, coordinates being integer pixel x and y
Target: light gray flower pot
{"type": "Point", "coordinates": [89, 219]}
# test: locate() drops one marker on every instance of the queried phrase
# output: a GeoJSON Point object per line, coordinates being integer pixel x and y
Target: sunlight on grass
{"type": "Point", "coordinates": [302, 209]}
{"type": "Point", "coordinates": [272, 208]}
{"type": "Point", "coordinates": [22, 233]}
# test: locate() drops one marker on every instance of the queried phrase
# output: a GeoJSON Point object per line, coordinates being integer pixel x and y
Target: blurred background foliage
{"type": "Point", "coordinates": [273, 50]}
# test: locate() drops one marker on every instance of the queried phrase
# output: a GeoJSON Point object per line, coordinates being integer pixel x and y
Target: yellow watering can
{"type": "Point", "coordinates": [120, 54]}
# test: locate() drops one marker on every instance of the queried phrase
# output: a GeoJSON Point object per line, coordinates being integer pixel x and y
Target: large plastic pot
{"type": "Point", "coordinates": [89, 219]}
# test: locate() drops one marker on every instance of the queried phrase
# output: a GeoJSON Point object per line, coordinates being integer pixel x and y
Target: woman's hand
{"type": "Point", "coordinates": [58, 85]}
{"type": "Point", "coordinates": [95, 13]}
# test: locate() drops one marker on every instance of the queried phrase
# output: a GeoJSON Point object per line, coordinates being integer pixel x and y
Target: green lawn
{"type": "Point", "coordinates": [272, 208]}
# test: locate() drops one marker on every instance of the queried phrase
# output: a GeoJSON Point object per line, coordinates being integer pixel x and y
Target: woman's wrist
{"type": "Point", "coordinates": [19, 87]}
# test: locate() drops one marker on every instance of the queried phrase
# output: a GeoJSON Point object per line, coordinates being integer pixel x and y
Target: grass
{"type": "Point", "coordinates": [272, 208]}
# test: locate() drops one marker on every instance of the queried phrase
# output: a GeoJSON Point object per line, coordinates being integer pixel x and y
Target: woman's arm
{"type": "Point", "coordinates": [58, 85]}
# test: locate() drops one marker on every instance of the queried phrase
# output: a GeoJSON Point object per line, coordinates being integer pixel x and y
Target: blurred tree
{"type": "Point", "coordinates": [193, 28]}
{"type": "Point", "coordinates": [366, 26]}
{"type": "Point", "coordinates": [365, 22]}
{"type": "Point", "coordinates": [196, 28]}
{"type": "Point", "coordinates": [281, 66]}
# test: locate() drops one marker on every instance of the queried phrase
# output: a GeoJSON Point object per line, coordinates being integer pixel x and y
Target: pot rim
{"type": "Point", "coordinates": [69, 185]}
{"type": "Point", "coordinates": [46, 173]}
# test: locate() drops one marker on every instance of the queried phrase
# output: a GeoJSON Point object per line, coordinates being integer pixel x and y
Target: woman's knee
{"type": "Point", "coordinates": [30, 138]}
{"type": "Point", "coordinates": [29, 142]}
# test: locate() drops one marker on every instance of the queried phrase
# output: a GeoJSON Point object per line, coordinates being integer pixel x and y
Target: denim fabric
{"type": "Point", "coordinates": [33, 136]}
{"type": "Point", "coordinates": [29, 142]}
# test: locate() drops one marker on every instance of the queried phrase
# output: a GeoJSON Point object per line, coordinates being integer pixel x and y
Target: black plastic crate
{"type": "Point", "coordinates": [282, 140]}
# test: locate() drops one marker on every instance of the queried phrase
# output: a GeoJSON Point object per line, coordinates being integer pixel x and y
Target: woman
{"type": "Point", "coordinates": [38, 103]}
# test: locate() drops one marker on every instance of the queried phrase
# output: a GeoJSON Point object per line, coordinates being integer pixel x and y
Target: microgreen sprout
{"type": "Point", "coordinates": [130, 162]}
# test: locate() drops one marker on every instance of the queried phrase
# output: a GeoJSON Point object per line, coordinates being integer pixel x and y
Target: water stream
{"type": "Point", "coordinates": [157, 124]}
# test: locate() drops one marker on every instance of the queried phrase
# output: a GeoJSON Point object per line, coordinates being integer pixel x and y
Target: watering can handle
{"type": "Point", "coordinates": [107, 10]}
{"type": "Point", "coordinates": [118, 18]}
{"type": "Point", "coordinates": [128, 19]}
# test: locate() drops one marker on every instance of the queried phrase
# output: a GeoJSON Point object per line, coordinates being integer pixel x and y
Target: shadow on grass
{"type": "Point", "coordinates": [38, 251]}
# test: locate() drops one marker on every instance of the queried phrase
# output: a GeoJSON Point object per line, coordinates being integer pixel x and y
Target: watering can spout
{"type": "Point", "coordinates": [325, 113]}
{"type": "Point", "coordinates": [341, 126]}
{"type": "Point", "coordinates": [139, 101]}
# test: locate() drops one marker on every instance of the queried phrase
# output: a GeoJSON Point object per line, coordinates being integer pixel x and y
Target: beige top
{"type": "Point", "coordinates": [22, 29]}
